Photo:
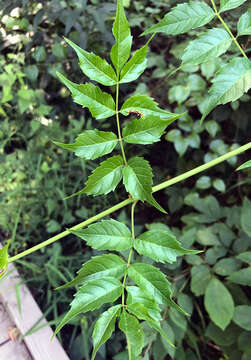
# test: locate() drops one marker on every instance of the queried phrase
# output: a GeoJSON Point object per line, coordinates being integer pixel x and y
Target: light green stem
{"type": "Point", "coordinates": [130, 253]}
{"type": "Point", "coordinates": [227, 28]}
{"type": "Point", "coordinates": [120, 205]}
{"type": "Point", "coordinates": [118, 124]}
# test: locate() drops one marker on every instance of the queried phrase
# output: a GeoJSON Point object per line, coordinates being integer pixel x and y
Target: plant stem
{"type": "Point", "coordinates": [118, 124]}
{"type": "Point", "coordinates": [126, 202]}
{"type": "Point", "coordinates": [227, 28]}
{"type": "Point", "coordinates": [130, 253]}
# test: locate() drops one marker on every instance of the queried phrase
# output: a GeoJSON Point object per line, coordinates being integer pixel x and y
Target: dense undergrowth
{"type": "Point", "coordinates": [210, 211]}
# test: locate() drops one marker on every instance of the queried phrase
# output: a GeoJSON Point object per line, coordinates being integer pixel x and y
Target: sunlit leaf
{"type": "Point", "coordinates": [244, 24]}
{"type": "Point", "coordinates": [230, 83]}
{"type": "Point", "coordinates": [144, 130]}
{"type": "Point", "coordinates": [121, 50]}
{"type": "Point", "coordinates": [104, 327]}
{"type": "Point", "coordinates": [92, 296]}
{"type": "Point", "coordinates": [106, 235]}
{"type": "Point", "coordinates": [137, 178]}
{"type": "Point", "coordinates": [151, 280]}
{"type": "Point", "coordinates": [207, 47]}
{"type": "Point", "coordinates": [230, 4]}
{"type": "Point", "coordinates": [146, 106]}
{"type": "Point", "coordinates": [141, 312]}
{"type": "Point", "coordinates": [94, 67]}
{"type": "Point", "coordinates": [160, 246]}
{"type": "Point", "coordinates": [246, 165]}
{"type": "Point", "coordinates": [105, 178]}
{"type": "Point", "coordinates": [100, 104]}
{"type": "Point", "coordinates": [135, 66]}
{"type": "Point", "coordinates": [183, 18]}
{"type": "Point", "coordinates": [92, 144]}
{"type": "Point", "coordinates": [106, 265]}
{"type": "Point", "coordinates": [134, 334]}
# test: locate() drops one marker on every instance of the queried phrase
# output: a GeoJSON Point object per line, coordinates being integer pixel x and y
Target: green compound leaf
{"type": "Point", "coordinates": [121, 50]}
{"type": "Point", "coordinates": [183, 18]}
{"type": "Point", "coordinates": [137, 295]}
{"type": "Point", "coordinates": [246, 165]}
{"type": "Point", "coordinates": [152, 281]}
{"type": "Point", "coordinates": [219, 303]}
{"type": "Point", "coordinates": [244, 24]}
{"type": "Point", "coordinates": [137, 178]}
{"type": "Point", "coordinates": [105, 178]}
{"type": "Point", "coordinates": [144, 130]}
{"type": "Point", "coordinates": [135, 66]}
{"type": "Point", "coordinates": [3, 259]}
{"type": "Point", "coordinates": [230, 4]}
{"type": "Point", "coordinates": [242, 277]}
{"type": "Point", "coordinates": [106, 265]}
{"type": "Point", "coordinates": [94, 67]}
{"type": "Point", "coordinates": [141, 312]}
{"type": "Point", "coordinates": [147, 107]}
{"type": "Point", "coordinates": [92, 296]}
{"type": "Point", "coordinates": [230, 83]}
{"type": "Point", "coordinates": [104, 327]}
{"type": "Point", "coordinates": [160, 246]}
{"type": "Point", "coordinates": [100, 104]}
{"type": "Point", "coordinates": [134, 334]}
{"type": "Point", "coordinates": [92, 144]}
{"type": "Point", "coordinates": [106, 235]}
{"type": "Point", "coordinates": [208, 46]}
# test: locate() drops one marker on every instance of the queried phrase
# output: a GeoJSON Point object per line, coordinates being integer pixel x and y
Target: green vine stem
{"type": "Point", "coordinates": [126, 202]}
{"type": "Point", "coordinates": [130, 253]}
{"type": "Point", "coordinates": [227, 28]}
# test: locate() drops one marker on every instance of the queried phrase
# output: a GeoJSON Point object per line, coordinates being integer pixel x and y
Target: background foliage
{"type": "Point", "coordinates": [212, 210]}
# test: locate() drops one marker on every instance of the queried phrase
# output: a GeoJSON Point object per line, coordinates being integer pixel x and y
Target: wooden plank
{"type": "Point", "coordinates": [39, 343]}
{"type": "Point", "coordinates": [12, 350]}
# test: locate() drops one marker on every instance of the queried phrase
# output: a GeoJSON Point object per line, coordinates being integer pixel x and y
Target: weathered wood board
{"type": "Point", "coordinates": [11, 350]}
{"type": "Point", "coordinates": [39, 343]}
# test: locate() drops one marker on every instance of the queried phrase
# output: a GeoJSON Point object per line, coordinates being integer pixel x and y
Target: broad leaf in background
{"type": "Point", "coordinates": [246, 216]}
{"type": "Point", "coordinates": [3, 259]}
{"type": "Point", "coordinates": [208, 46]}
{"type": "Point", "coordinates": [244, 24]}
{"type": "Point", "coordinates": [200, 278]}
{"type": "Point", "coordinates": [121, 50]}
{"type": "Point", "coordinates": [219, 303]}
{"type": "Point", "coordinates": [91, 144]}
{"type": "Point", "coordinates": [160, 246]}
{"type": "Point", "coordinates": [242, 277]}
{"type": "Point", "coordinates": [245, 257]}
{"type": "Point", "coordinates": [230, 4]}
{"type": "Point", "coordinates": [246, 165]}
{"type": "Point", "coordinates": [92, 296]}
{"type": "Point", "coordinates": [94, 67]}
{"type": "Point", "coordinates": [137, 178]}
{"type": "Point", "coordinates": [230, 83]}
{"type": "Point", "coordinates": [106, 265]}
{"type": "Point", "coordinates": [152, 281]}
{"type": "Point", "coordinates": [183, 18]}
{"type": "Point", "coordinates": [147, 107]}
{"type": "Point", "coordinates": [242, 316]}
{"type": "Point", "coordinates": [105, 178]}
{"type": "Point", "coordinates": [135, 66]}
{"type": "Point", "coordinates": [144, 130]}
{"type": "Point", "coordinates": [137, 295]}
{"type": "Point", "coordinates": [100, 104]}
{"type": "Point", "coordinates": [104, 327]}
{"type": "Point", "coordinates": [106, 235]}
{"type": "Point", "coordinates": [134, 334]}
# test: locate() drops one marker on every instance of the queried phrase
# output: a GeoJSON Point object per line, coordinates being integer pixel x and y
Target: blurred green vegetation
{"type": "Point", "coordinates": [212, 210]}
